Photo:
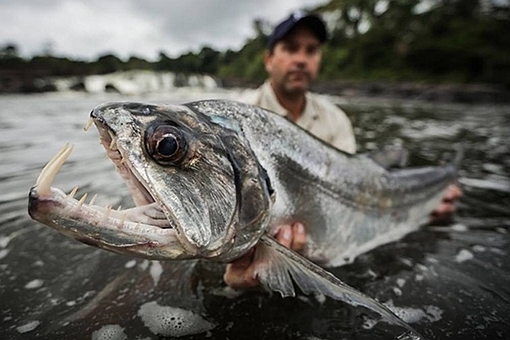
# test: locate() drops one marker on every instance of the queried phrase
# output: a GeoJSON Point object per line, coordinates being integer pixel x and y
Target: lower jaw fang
{"type": "Point", "coordinates": [48, 173]}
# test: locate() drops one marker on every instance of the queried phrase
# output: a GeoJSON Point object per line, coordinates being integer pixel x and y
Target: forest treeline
{"type": "Point", "coordinates": [437, 41]}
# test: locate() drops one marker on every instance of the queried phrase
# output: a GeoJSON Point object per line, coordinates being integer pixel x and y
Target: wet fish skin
{"type": "Point", "coordinates": [240, 172]}
{"type": "Point", "coordinates": [348, 203]}
{"type": "Point", "coordinates": [237, 152]}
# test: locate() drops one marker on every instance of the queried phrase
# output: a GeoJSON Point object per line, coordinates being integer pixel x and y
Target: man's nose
{"type": "Point", "coordinates": [301, 57]}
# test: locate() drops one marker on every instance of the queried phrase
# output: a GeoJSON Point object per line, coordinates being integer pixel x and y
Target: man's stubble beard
{"type": "Point", "coordinates": [287, 88]}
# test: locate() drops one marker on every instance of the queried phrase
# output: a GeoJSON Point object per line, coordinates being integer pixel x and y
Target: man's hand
{"type": "Point", "coordinates": [241, 273]}
{"type": "Point", "coordinates": [446, 208]}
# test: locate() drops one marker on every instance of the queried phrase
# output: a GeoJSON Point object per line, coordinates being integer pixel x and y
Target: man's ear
{"type": "Point", "coordinates": [268, 55]}
{"type": "Point", "coordinates": [267, 60]}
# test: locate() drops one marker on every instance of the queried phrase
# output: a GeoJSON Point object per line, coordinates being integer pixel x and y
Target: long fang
{"type": "Point", "coordinates": [51, 169]}
{"type": "Point", "coordinates": [89, 124]}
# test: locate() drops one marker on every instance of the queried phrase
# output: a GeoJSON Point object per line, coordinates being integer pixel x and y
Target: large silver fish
{"type": "Point", "coordinates": [212, 179]}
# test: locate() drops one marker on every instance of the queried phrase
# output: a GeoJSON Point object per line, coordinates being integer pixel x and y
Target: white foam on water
{"type": "Point", "coordinates": [418, 277]}
{"type": "Point", "coordinates": [130, 264]}
{"type": "Point", "coordinates": [431, 260]}
{"type": "Point", "coordinates": [28, 327]}
{"type": "Point", "coordinates": [172, 321]}
{"type": "Point", "coordinates": [478, 248]}
{"type": "Point", "coordinates": [413, 315]}
{"type": "Point", "coordinates": [321, 298]}
{"type": "Point", "coordinates": [434, 313]}
{"type": "Point", "coordinates": [4, 241]}
{"type": "Point", "coordinates": [502, 230]}
{"type": "Point", "coordinates": [459, 227]}
{"type": "Point", "coordinates": [3, 253]}
{"type": "Point", "coordinates": [37, 283]}
{"type": "Point", "coordinates": [368, 323]}
{"type": "Point", "coordinates": [39, 263]}
{"type": "Point", "coordinates": [156, 271]}
{"type": "Point", "coordinates": [464, 255]}
{"type": "Point", "coordinates": [397, 291]}
{"type": "Point", "coordinates": [144, 265]}
{"type": "Point", "coordinates": [109, 332]}
{"type": "Point", "coordinates": [401, 282]}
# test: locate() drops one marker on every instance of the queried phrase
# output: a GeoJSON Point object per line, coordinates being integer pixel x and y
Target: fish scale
{"type": "Point", "coordinates": [347, 202]}
{"type": "Point", "coordinates": [237, 173]}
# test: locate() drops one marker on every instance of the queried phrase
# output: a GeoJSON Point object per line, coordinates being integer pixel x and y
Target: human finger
{"type": "Point", "coordinates": [298, 236]}
{"type": "Point", "coordinates": [453, 192]}
{"type": "Point", "coordinates": [284, 235]}
{"type": "Point", "coordinates": [240, 273]}
{"type": "Point", "coordinates": [443, 212]}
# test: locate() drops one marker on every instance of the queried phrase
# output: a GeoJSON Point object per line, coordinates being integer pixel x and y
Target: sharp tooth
{"type": "Point", "coordinates": [119, 208]}
{"type": "Point", "coordinates": [89, 124]}
{"type": "Point", "coordinates": [113, 140]}
{"type": "Point", "coordinates": [107, 212]}
{"type": "Point", "coordinates": [113, 143]}
{"type": "Point", "coordinates": [123, 219]}
{"type": "Point", "coordinates": [51, 169]}
{"type": "Point", "coordinates": [50, 164]}
{"type": "Point", "coordinates": [82, 200]}
{"type": "Point", "coordinates": [93, 200]}
{"type": "Point", "coordinates": [73, 192]}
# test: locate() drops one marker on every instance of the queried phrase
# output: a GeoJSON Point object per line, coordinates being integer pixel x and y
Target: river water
{"type": "Point", "coordinates": [448, 281]}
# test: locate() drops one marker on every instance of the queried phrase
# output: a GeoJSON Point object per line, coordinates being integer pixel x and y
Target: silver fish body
{"type": "Point", "coordinates": [348, 203]}
{"type": "Point", "coordinates": [237, 172]}
{"type": "Point", "coordinates": [211, 179]}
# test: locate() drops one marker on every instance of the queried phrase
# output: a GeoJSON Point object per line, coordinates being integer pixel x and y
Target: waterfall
{"type": "Point", "coordinates": [134, 82]}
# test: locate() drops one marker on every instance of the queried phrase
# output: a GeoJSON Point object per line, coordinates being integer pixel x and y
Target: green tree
{"type": "Point", "coordinates": [108, 63]}
{"type": "Point", "coordinates": [9, 51]}
{"type": "Point", "coordinates": [209, 60]}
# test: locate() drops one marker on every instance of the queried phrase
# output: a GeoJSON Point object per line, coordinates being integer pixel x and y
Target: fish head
{"type": "Point", "coordinates": [204, 178]}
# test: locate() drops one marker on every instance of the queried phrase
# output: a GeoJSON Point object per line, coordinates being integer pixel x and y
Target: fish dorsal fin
{"type": "Point", "coordinates": [281, 267]}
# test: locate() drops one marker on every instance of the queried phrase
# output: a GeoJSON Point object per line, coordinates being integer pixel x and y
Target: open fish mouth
{"type": "Point", "coordinates": [182, 179]}
{"type": "Point", "coordinates": [142, 231]}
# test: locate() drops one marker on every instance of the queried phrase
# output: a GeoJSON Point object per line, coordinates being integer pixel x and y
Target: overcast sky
{"type": "Point", "coordinates": [87, 29]}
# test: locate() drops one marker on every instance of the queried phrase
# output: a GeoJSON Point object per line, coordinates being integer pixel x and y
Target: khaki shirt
{"type": "Point", "coordinates": [320, 117]}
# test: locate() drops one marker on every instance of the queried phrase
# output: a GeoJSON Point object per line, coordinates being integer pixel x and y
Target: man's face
{"type": "Point", "coordinates": [294, 62]}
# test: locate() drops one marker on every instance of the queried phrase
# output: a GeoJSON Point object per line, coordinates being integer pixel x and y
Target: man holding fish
{"type": "Point", "coordinates": [292, 60]}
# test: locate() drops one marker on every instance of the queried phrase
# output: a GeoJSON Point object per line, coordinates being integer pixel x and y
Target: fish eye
{"type": "Point", "coordinates": [165, 144]}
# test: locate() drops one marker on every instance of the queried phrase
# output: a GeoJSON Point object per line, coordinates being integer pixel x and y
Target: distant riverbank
{"type": "Point", "coordinates": [445, 93]}
{"type": "Point", "coordinates": [140, 82]}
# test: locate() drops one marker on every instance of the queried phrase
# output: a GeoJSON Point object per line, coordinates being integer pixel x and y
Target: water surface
{"type": "Point", "coordinates": [449, 282]}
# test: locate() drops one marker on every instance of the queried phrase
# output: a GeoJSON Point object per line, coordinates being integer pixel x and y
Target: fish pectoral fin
{"type": "Point", "coordinates": [281, 267]}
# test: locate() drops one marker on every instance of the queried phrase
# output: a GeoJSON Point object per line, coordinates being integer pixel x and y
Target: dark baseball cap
{"type": "Point", "coordinates": [312, 21]}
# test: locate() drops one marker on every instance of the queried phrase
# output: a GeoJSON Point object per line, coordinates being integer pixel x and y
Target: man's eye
{"type": "Point", "coordinates": [290, 48]}
{"type": "Point", "coordinates": [312, 50]}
